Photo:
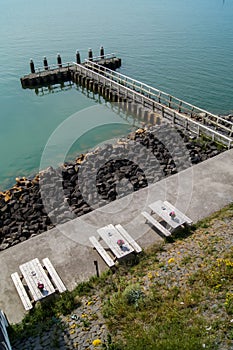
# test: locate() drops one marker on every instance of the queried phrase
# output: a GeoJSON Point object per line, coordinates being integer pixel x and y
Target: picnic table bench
{"type": "Point", "coordinates": [54, 275]}
{"type": "Point", "coordinates": [155, 223]}
{"type": "Point", "coordinates": [107, 258]}
{"type": "Point", "coordinates": [21, 291]}
{"type": "Point", "coordinates": [4, 337]}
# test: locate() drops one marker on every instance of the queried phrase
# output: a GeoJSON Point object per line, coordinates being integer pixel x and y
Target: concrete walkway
{"type": "Point", "coordinates": [197, 191]}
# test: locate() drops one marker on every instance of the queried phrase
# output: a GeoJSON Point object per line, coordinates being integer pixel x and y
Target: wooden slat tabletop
{"type": "Point", "coordinates": [111, 235]}
{"type": "Point", "coordinates": [33, 273]}
{"type": "Point", "coordinates": [163, 211]}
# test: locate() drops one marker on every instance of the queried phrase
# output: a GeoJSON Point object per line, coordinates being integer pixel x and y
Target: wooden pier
{"type": "Point", "coordinates": [98, 75]}
{"type": "Point", "coordinates": [121, 88]}
{"type": "Point", "coordinates": [55, 74]}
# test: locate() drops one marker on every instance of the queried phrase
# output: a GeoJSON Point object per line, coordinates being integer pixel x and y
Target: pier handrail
{"type": "Point", "coordinates": [52, 67]}
{"type": "Point", "coordinates": [55, 66]}
{"type": "Point", "coordinates": [105, 56]}
{"type": "Point", "coordinates": [91, 73]}
{"type": "Point", "coordinates": [160, 95]}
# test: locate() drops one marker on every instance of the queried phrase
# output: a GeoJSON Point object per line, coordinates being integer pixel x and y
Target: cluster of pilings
{"type": "Point", "coordinates": [46, 78]}
{"type": "Point", "coordinates": [97, 87]}
{"type": "Point", "coordinates": [62, 72]}
{"type": "Point", "coordinates": [145, 114]}
{"type": "Point", "coordinates": [59, 60]}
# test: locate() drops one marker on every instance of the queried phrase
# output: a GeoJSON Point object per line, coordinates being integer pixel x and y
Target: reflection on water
{"type": "Point", "coordinates": [51, 89]}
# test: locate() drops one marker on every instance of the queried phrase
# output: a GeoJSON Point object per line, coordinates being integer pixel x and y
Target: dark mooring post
{"type": "Point", "coordinates": [90, 55]}
{"type": "Point", "coordinates": [45, 64]}
{"type": "Point", "coordinates": [97, 268]}
{"type": "Point", "coordinates": [32, 67]}
{"type": "Point", "coordinates": [59, 62]}
{"type": "Point", "coordinates": [78, 59]}
{"type": "Point", "coordinates": [102, 52]}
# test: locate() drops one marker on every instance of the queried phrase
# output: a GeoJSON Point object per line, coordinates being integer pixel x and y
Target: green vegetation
{"type": "Point", "coordinates": [44, 315]}
{"type": "Point", "coordinates": [171, 298]}
{"type": "Point", "coordinates": [204, 140]}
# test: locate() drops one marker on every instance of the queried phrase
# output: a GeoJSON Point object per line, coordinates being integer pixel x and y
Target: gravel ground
{"type": "Point", "coordinates": [75, 331]}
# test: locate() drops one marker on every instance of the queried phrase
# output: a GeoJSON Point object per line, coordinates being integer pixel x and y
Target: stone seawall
{"type": "Point", "coordinates": [55, 196]}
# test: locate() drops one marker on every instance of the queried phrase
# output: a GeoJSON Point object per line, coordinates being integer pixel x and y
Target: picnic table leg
{"type": "Point", "coordinates": [97, 268]}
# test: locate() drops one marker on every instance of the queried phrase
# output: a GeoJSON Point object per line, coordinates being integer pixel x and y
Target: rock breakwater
{"type": "Point", "coordinates": [110, 172]}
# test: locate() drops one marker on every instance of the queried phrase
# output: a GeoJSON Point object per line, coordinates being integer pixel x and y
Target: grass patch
{"type": "Point", "coordinates": [178, 317]}
{"type": "Point", "coordinates": [158, 322]}
{"type": "Point", "coordinates": [44, 316]}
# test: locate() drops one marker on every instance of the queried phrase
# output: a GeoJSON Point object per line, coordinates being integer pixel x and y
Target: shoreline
{"type": "Point", "coordinates": [55, 196]}
{"type": "Point", "coordinates": [9, 182]}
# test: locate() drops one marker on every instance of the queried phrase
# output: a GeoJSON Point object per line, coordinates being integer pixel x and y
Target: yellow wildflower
{"type": "Point", "coordinates": [150, 276]}
{"type": "Point", "coordinates": [227, 262]}
{"type": "Point", "coordinates": [96, 342]}
{"type": "Point", "coordinates": [171, 260]}
{"type": "Point", "coordinates": [218, 286]}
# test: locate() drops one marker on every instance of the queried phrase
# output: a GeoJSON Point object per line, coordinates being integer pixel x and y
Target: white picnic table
{"type": "Point", "coordinates": [163, 210]}
{"type": "Point", "coordinates": [33, 273]}
{"type": "Point", "coordinates": [110, 236]}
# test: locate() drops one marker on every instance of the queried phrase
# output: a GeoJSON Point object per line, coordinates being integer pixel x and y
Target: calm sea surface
{"type": "Point", "coordinates": [183, 47]}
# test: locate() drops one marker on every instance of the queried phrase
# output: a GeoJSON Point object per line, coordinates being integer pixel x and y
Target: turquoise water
{"type": "Point", "coordinates": [183, 47]}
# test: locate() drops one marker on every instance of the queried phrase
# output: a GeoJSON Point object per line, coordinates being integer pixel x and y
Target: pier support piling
{"type": "Point", "coordinates": [78, 60]}
{"type": "Point", "coordinates": [32, 67]}
{"type": "Point", "coordinates": [90, 55]}
{"type": "Point", "coordinates": [45, 63]}
{"type": "Point", "coordinates": [59, 62]}
{"type": "Point", "coordinates": [101, 52]}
